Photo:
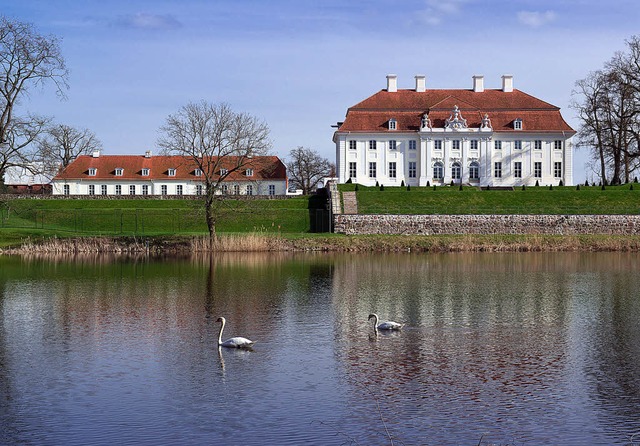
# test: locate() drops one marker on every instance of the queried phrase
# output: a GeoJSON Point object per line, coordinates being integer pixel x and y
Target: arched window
{"type": "Point", "coordinates": [456, 171]}
{"type": "Point", "coordinates": [474, 171]}
{"type": "Point", "coordinates": [438, 171]}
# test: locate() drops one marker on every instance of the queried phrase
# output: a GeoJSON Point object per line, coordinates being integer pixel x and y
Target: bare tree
{"type": "Point", "coordinates": [27, 59]}
{"type": "Point", "coordinates": [219, 142]}
{"type": "Point", "coordinates": [60, 144]}
{"type": "Point", "coordinates": [306, 168]}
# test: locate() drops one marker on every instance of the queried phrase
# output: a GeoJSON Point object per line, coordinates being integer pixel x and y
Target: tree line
{"type": "Point", "coordinates": [608, 105]}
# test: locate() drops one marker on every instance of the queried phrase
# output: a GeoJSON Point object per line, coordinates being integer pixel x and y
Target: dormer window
{"type": "Point", "coordinates": [249, 172]}
{"type": "Point", "coordinates": [171, 172]}
{"type": "Point", "coordinates": [119, 171]}
{"type": "Point", "coordinates": [517, 124]}
{"type": "Point", "coordinates": [223, 171]}
{"type": "Point", "coordinates": [92, 171]}
{"type": "Point", "coordinates": [197, 172]}
{"type": "Point", "coordinates": [145, 172]}
{"type": "Point", "coordinates": [393, 124]}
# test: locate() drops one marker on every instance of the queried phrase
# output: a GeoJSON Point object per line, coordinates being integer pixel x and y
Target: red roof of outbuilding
{"type": "Point", "coordinates": [264, 168]}
{"type": "Point", "coordinates": [408, 106]}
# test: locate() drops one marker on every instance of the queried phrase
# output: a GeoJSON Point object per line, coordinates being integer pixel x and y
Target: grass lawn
{"type": "Point", "coordinates": [151, 217]}
{"type": "Point", "coordinates": [471, 200]}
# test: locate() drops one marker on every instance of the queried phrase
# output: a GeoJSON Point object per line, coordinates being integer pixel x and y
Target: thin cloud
{"type": "Point", "coordinates": [535, 19]}
{"type": "Point", "coordinates": [147, 21]}
{"type": "Point", "coordinates": [437, 10]}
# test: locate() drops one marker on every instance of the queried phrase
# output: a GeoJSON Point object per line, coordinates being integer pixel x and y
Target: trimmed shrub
{"type": "Point", "coordinates": [348, 181]}
{"type": "Point", "coordinates": [561, 183]}
{"type": "Point", "coordinates": [377, 184]}
{"type": "Point", "coordinates": [428, 184]}
{"type": "Point", "coordinates": [551, 187]}
{"type": "Point", "coordinates": [537, 183]}
{"type": "Point", "coordinates": [524, 187]}
{"type": "Point", "coordinates": [402, 183]}
{"type": "Point", "coordinates": [408, 187]}
{"type": "Point", "coordinates": [631, 186]}
{"type": "Point", "coordinates": [586, 183]}
{"type": "Point", "coordinates": [381, 187]}
{"type": "Point", "coordinates": [578, 187]}
{"type": "Point", "coordinates": [356, 187]}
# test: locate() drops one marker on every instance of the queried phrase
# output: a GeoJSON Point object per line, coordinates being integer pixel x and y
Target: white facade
{"type": "Point", "coordinates": [438, 145]}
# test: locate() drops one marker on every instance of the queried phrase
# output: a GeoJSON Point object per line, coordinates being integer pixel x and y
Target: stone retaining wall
{"type": "Point", "coordinates": [487, 224]}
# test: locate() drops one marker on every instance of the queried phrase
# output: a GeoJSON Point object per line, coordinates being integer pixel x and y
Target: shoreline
{"type": "Point", "coordinates": [258, 242]}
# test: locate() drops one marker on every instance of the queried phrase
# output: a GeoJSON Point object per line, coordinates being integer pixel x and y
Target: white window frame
{"type": "Point", "coordinates": [517, 124]}
{"type": "Point", "coordinates": [393, 124]}
{"type": "Point", "coordinates": [224, 189]}
{"type": "Point", "coordinates": [353, 144]}
{"type": "Point", "coordinates": [537, 144]}
{"type": "Point", "coordinates": [197, 172]}
{"type": "Point", "coordinates": [456, 171]}
{"type": "Point", "coordinates": [163, 190]}
{"type": "Point", "coordinates": [517, 144]}
{"type": "Point", "coordinates": [517, 169]}
{"type": "Point", "coordinates": [557, 144]}
{"type": "Point", "coordinates": [66, 190]}
{"type": "Point", "coordinates": [145, 189]}
{"type": "Point", "coordinates": [497, 144]}
{"type": "Point", "coordinates": [171, 172]}
{"type": "Point", "coordinates": [438, 171]}
{"type": "Point", "coordinates": [353, 169]}
{"type": "Point", "coordinates": [92, 189]}
{"type": "Point", "coordinates": [223, 171]}
{"type": "Point", "coordinates": [272, 189]}
{"type": "Point", "coordinates": [199, 189]}
{"type": "Point", "coordinates": [145, 172]}
{"type": "Point", "coordinates": [393, 144]}
{"type": "Point", "coordinates": [118, 189]}
{"type": "Point", "coordinates": [132, 189]}
{"type": "Point", "coordinates": [236, 189]}
{"type": "Point", "coordinates": [497, 169]}
{"type": "Point", "coordinates": [179, 189]}
{"type": "Point", "coordinates": [92, 171]}
{"type": "Point", "coordinates": [373, 144]}
{"type": "Point", "coordinates": [473, 144]}
{"type": "Point", "coordinates": [557, 169]}
{"type": "Point", "coordinates": [474, 171]}
{"type": "Point", "coordinates": [103, 189]}
{"type": "Point", "coordinates": [373, 169]}
{"type": "Point", "coordinates": [392, 169]}
{"type": "Point", "coordinates": [455, 144]}
{"type": "Point", "coordinates": [412, 144]}
{"type": "Point", "coordinates": [249, 189]}
{"type": "Point", "coordinates": [119, 171]}
{"type": "Point", "coordinates": [249, 172]}
{"type": "Point", "coordinates": [437, 144]}
{"type": "Point", "coordinates": [412, 169]}
{"type": "Point", "coordinates": [537, 169]}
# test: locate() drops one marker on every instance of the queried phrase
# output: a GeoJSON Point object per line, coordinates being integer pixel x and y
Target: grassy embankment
{"type": "Point", "coordinates": [261, 225]}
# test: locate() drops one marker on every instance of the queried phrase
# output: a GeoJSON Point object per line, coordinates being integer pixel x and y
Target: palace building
{"type": "Point", "coordinates": [477, 136]}
{"type": "Point", "coordinates": [166, 175]}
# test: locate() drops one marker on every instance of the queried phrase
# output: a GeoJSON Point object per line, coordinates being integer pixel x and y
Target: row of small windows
{"type": "Point", "coordinates": [164, 189]}
{"type": "Point", "coordinates": [456, 170]}
{"type": "Point", "coordinates": [393, 124]}
{"type": "Point", "coordinates": [119, 171]}
{"type": "Point", "coordinates": [456, 144]}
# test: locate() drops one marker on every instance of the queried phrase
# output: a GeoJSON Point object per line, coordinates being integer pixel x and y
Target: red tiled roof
{"type": "Point", "coordinates": [408, 106]}
{"type": "Point", "coordinates": [264, 168]}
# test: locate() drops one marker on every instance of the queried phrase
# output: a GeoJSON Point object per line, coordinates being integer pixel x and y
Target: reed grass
{"type": "Point", "coordinates": [270, 242]}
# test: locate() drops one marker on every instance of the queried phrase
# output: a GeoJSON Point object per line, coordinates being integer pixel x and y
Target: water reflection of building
{"type": "Point", "coordinates": [481, 327]}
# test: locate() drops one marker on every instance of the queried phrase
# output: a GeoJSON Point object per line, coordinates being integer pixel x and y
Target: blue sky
{"type": "Point", "coordinates": [299, 64]}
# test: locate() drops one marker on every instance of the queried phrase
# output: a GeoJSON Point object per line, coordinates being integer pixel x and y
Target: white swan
{"type": "Point", "coordinates": [237, 342]}
{"type": "Point", "coordinates": [388, 325]}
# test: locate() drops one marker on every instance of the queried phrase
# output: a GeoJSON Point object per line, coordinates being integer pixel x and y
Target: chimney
{"type": "Point", "coordinates": [507, 83]}
{"type": "Point", "coordinates": [478, 83]}
{"type": "Point", "coordinates": [147, 154]}
{"type": "Point", "coordinates": [392, 83]}
{"type": "Point", "coordinates": [96, 154]}
{"type": "Point", "coordinates": [421, 84]}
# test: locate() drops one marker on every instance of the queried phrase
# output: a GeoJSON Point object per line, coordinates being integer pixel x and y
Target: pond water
{"type": "Point", "coordinates": [498, 349]}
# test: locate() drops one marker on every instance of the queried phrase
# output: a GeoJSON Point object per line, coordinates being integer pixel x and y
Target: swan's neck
{"type": "Point", "coordinates": [220, 333]}
{"type": "Point", "coordinates": [375, 321]}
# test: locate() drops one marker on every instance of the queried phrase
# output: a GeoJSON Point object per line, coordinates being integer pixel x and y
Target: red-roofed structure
{"type": "Point", "coordinates": [166, 175]}
{"type": "Point", "coordinates": [478, 136]}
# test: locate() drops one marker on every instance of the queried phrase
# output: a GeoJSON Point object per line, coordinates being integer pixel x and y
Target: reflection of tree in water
{"type": "Point", "coordinates": [9, 419]}
{"type": "Point", "coordinates": [613, 345]}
